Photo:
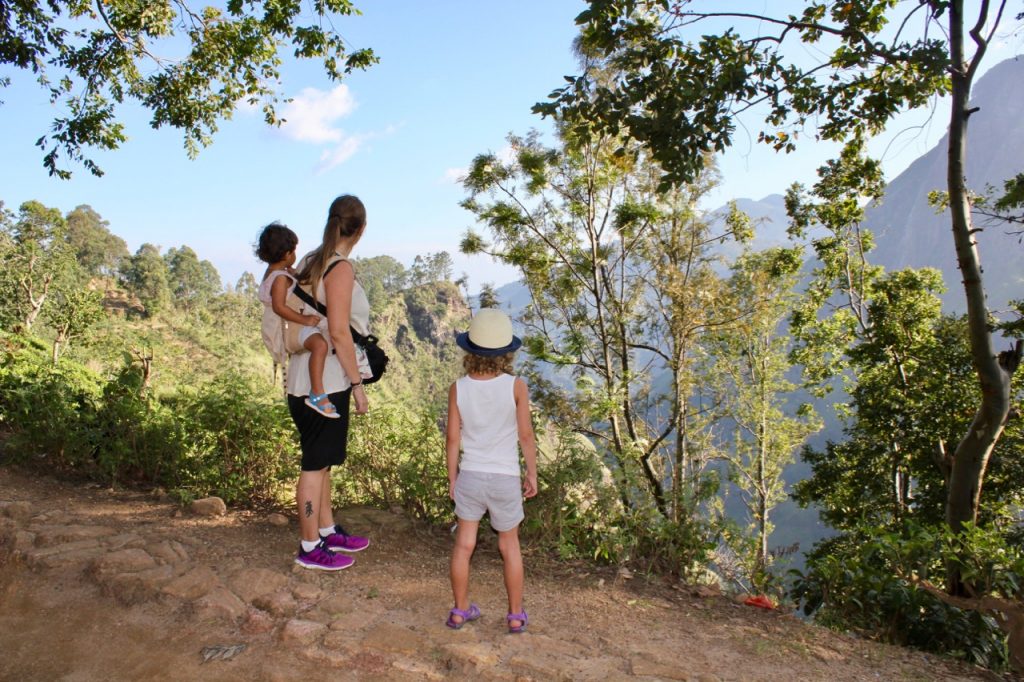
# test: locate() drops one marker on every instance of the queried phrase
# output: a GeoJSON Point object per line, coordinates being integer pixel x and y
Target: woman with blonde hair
{"type": "Point", "coordinates": [331, 277]}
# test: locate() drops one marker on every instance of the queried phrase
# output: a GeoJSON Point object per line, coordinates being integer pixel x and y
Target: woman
{"type": "Point", "coordinates": [324, 441]}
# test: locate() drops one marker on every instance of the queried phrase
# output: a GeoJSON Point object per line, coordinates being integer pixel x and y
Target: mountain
{"type": "Point", "coordinates": [910, 233]}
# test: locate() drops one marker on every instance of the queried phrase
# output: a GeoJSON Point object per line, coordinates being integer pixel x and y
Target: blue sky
{"type": "Point", "coordinates": [455, 77]}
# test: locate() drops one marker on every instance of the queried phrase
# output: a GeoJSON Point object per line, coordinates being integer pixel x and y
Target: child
{"type": "Point", "coordinates": [489, 412]}
{"type": "Point", "coordinates": [276, 247]}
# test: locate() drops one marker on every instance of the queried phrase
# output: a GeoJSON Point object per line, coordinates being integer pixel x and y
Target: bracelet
{"type": "Point", "coordinates": [354, 385]}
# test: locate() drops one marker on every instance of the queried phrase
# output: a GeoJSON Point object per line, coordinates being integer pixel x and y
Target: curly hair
{"type": "Point", "coordinates": [478, 364]}
{"type": "Point", "coordinates": [275, 242]}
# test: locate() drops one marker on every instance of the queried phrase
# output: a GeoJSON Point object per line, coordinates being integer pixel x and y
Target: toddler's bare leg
{"type": "Point", "coordinates": [317, 347]}
{"type": "Point", "coordinates": [508, 545]}
{"type": "Point", "coordinates": [465, 543]}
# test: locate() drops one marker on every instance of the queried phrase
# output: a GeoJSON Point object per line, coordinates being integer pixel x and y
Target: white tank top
{"type": "Point", "coordinates": [490, 435]}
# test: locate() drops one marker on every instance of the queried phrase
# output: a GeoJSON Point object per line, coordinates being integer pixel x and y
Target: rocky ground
{"type": "Point", "coordinates": [111, 585]}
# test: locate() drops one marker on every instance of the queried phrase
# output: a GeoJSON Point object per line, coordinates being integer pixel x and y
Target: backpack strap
{"type": "Point", "coordinates": [309, 300]}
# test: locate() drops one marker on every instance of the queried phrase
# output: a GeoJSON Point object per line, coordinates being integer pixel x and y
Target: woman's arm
{"type": "Point", "coordinates": [453, 435]}
{"type": "Point", "coordinates": [527, 441]}
{"type": "Point", "coordinates": [338, 286]}
{"type": "Point", "coordinates": [279, 294]}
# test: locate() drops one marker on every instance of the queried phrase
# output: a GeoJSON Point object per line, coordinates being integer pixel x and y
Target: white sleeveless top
{"type": "Point", "coordinates": [490, 434]}
{"type": "Point", "coordinates": [335, 379]}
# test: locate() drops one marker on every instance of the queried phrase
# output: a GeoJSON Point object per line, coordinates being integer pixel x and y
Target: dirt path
{"type": "Point", "coordinates": [96, 584]}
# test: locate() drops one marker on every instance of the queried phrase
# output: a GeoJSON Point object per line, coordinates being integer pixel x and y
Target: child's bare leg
{"type": "Point", "coordinates": [508, 545]}
{"type": "Point", "coordinates": [465, 543]}
{"type": "Point", "coordinates": [317, 347]}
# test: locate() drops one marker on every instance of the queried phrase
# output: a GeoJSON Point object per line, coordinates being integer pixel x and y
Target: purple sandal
{"type": "Point", "coordinates": [516, 629]}
{"type": "Point", "coordinates": [470, 614]}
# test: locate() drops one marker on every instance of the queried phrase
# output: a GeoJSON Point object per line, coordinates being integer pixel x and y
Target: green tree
{"type": "Point", "coordinates": [147, 277]}
{"type": "Point", "coordinates": [488, 296]}
{"type": "Point", "coordinates": [71, 315]}
{"type": "Point", "coordinates": [192, 282]}
{"type": "Point", "coordinates": [190, 65]}
{"type": "Point", "coordinates": [681, 99]}
{"type": "Point", "coordinates": [97, 250]}
{"type": "Point", "coordinates": [37, 261]}
{"type": "Point", "coordinates": [749, 368]}
{"type": "Point", "coordinates": [382, 277]}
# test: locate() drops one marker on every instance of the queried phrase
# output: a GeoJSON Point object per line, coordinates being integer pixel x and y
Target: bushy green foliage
{"type": "Point", "coordinates": [397, 459]}
{"type": "Point", "coordinates": [49, 408]}
{"type": "Point", "coordinates": [869, 582]}
{"type": "Point", "coordinates": [239, 442]}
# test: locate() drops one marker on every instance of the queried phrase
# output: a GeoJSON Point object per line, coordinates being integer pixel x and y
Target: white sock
{"type": "Point", "coordinates": [324, 532]}
{"type": "Point", "coordinates": [309, 545]}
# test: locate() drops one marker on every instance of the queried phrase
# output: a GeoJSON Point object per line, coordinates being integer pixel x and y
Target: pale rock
{"type": "Point", "coordinates": [193, 585]}
{"type": "Point", "coordinates": [334, 658]}
{"type": "Point", "coordinates": [306, 592]}
{"type": "Point", "coordinates": [17, 511]}
{"type": "Point", "coordinates": [62, 534]}
{"type": "Point", "coordinates": [302, 632]}
{"type": "Point", "coordinates": [395, 639]}
{"type": "Point", "coordinates": [477, 654]}
{"type": "Point", "coordinates": [130, 560]}
{"type": "Point", "coordinates": [133, 588]}
{"type": "Point", "coordinates": [124, 541]}
{"type": "Point", "coordinates": [220, 604]}
{"type": "Point", "coordinates": [209, 506]}
{"type": "Point", "coordinates": [279, 520]}
{"type": "Point", "coordinates": [250, 583]}
{"type": "Point", "coordinates": [169, 552]}
{"type": "Point", "coordinates": [338, 603]}
{"type": "Point", "coordinates": [280, 604]}
{"type": "Point", "coordinates": [257, 622]}
{"type": "Point", "coordinates": [72, 558]}
{"type": "Point", "coordinates": [625, 573]}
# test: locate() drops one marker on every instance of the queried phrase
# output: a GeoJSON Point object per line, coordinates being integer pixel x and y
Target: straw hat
{"type": "Point", "coordinates": [490, 334]}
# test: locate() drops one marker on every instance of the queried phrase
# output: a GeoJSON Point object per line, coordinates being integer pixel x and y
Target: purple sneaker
{"type": "Point", "coordinates": [340, 541]}
{"type": "Point", "coordinates": [322, 560]}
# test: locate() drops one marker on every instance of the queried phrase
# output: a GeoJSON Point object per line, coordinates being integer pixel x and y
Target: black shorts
{"type": "Point", "coordinates": [324, 441]}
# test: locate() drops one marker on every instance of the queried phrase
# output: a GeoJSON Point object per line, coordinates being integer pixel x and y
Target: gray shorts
{"type": "Point", "coordinates": [500, 495]}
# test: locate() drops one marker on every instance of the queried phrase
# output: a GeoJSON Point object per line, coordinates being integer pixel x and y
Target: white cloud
{"type": "Point", "coordinates": [339, 154]}
{"type": "Point", "coordinates": [311, 115]}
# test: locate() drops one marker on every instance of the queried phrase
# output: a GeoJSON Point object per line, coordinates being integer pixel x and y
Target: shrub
{"type": "Point", "coordinates": [868, 582]}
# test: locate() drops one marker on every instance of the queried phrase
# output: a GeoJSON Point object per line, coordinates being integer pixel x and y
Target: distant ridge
{"type": "Point", "coordinates": [910, 233]}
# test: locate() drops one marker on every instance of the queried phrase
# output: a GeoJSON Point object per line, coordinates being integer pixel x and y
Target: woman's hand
{"type": "Point", "coordinates": [362, 404]}
{"type": "Point", "coordinates": [311, 320]}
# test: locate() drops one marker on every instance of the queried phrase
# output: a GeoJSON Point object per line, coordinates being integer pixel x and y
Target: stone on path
{"type": "Point", "coordinates": [220, 604]}
{"type": "Point", "coordinates": [250, 583]}
{"type": "Point", "coordinates": [280, 604]}
{"type": "Point", "coordinates": [193, 585]}
{"type": "Point", "coordinates": [279, 520]}
{"type": "Point", "coordinates": [130, 560]}
{"type": "Point", "coordinates": [209, 506]}
{"type": "Point", "coordinates": [304, 632]}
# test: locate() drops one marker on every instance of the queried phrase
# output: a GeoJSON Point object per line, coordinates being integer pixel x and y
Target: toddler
{"type": "Point", "coordinates": [489, 414]}
{"type": "Point", "coordinates": [276, 247]}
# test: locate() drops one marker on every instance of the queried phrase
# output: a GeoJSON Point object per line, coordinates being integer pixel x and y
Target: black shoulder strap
{"type": "Point", "coordinates": [308, 299]}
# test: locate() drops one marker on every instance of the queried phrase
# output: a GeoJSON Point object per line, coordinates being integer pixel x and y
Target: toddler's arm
{"type": "Point", "coordinates": [453, 439]}
{"type": "Point", "coordinates": [278, 294]}
{"type": "Point", "coordinates": [527, 441]}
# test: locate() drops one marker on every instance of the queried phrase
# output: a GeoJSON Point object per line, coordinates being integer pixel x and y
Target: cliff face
{"type": "Point", "coordinates": [417, 329]}
{"type": "Point", "coordinates": [910, 233]}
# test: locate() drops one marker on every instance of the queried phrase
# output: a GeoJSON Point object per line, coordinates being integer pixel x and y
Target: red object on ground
{"type": "Point", "coordinates": [760, 601]}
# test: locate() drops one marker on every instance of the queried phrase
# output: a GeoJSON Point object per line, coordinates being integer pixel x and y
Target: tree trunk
{"type": "Point", "coordinates": [972, 453]}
